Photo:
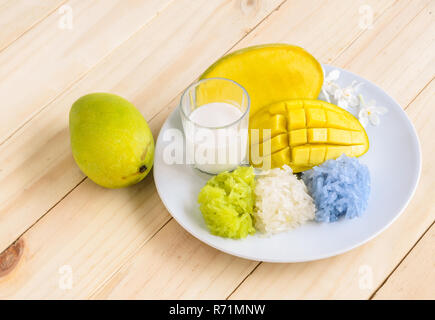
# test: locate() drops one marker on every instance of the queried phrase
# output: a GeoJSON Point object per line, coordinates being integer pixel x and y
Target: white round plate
{"type": "Point", "coordinates": [394, 161]}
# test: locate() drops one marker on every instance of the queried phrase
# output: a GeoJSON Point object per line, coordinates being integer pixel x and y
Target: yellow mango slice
{"type": "Point", "coordinates": [297, 137]}
{"type": "Point", "coordinates": [315, 131]}
{"type": "Point", "coordinates": [277, 143]}
{"type": "Point", "coordinates": [269, 73]}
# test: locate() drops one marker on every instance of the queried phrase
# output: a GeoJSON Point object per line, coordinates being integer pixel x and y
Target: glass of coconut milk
{"type": "Point", "coordinates": [215, 118]}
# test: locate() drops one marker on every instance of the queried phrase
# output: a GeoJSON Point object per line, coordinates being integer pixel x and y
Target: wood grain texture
{"type": "Point", "coordinates": [122, 243]}
{"type": "Point", "coordinates": [48, 59]}
{"type": "Point", "coordinates": [149, 69]}
{"type": "Point", "coordinates": [175, 265]}
{"type": "Point", "coordinates": [398, 53]}
{"type": "Point", "coordinates": [339, 277]}
{"type": "Point", "coordinates": [37, 158]}
{"type": "Point", "coordinates": [358, 273]}
{"type": "Point", "coordinates": [333, 278]}
{"type": "Point", "coordinates": [328, 28]}
{"type": "Point", "coordinates": [19, 16]}
{"type": "Point", "coordinates": [29, 167]}
{"type": "Point", "coordinates": [415, 277]}
{"type": "Point", "coordinates": [118, 286]}
{"type": "Point", "coordinates": [142, 73]}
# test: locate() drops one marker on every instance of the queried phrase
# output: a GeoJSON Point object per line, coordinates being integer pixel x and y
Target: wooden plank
{"type": "Point", "coordinates": [37, 158]}
{"type": "Point", "coordinates": [357, 274]}
{"type": "Point", "coordinates": [60, 246]}
{"type": "Point", "coordinates": [124, 285]}
{"type": "Point", "coordinates": [34, 273]}
{"type": "Point", "coordinates": [408, 23]}
{"type": "Point", "coordinates": [415, 276]}
{"type": "Point", "coordinates": [410, 48]}
{"type": "Point", "coordinates": [18, 16]}
{"type": "Point", "coordinates": [50, 57]}
{"type": "Point", "coordinates": [326, 36]}
{"type": "Point", "coordinates": [278, 278]}
{"type": "Point", "coordinates": [23, 67]}
{"type": "Point", "coordinates": [149, 69]}
{"type": "Point", "coordinates": [183, 268]}
{"type": "Point", "coordinates": [328, 276]}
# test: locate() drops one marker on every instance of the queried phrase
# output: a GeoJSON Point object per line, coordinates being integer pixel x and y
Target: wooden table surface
{"type": "Point", "coordinates": [62, 236]}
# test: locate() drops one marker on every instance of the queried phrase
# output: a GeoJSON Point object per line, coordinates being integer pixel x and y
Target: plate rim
{"type": "Point", "coordinates": [324, 256]}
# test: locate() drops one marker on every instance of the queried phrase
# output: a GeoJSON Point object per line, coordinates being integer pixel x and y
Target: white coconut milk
{"type": "Point", "coordinates": [216, 137]}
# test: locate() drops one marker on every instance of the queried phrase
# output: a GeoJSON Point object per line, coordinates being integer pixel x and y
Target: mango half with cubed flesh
{"type": "Point", "coordinates": [269, 73]}
{"type": "Point", "coordinates": [305, 133]}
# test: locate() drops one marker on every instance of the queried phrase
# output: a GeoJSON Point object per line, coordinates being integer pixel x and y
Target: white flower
{"type": "Point", "coordinates": [345, 98]}
{"type": "Point", "coordinates": [348, 99]}
{"type": "Point", "coordinates": [329, 86]}
{"type": "Point", "coordinates": [333, 75]}
{"type": "Point", "coordinates": [370, 112]}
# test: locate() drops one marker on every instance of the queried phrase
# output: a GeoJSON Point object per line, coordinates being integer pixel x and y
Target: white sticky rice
{"type": "Point", "coordinates": [282, 202]}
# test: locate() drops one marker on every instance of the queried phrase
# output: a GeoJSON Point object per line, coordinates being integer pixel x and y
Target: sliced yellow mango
{"type": "Point", "coordinates": [270, 73]}
{"type": "Point", "coordinates": [315, 131]}
{"type": "Point", "coordinates": [298, 137]}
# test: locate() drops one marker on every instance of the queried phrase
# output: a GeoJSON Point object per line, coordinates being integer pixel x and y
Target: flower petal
{"type": "Point", "coordinates": [338, 94]}
{"type": "Point", "coordinates": [331, 87]}
{"type": "Point", "coordinates": [353, 101]}
{"type": "Point", "coordinates": [371, 109]}
{"type": "Point", "coordinates": [374, 119]}
{"type": "Point", "coordinates": [333, 75]}
{"type": "Point", "coordinates": [363, 113]}
{"type": "Point", "coordinates": [342, 103]}
{"type": "Point", "coordinates": [364, 120]}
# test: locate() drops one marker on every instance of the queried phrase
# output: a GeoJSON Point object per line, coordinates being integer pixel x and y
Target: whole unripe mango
{"type": "Point", "coordinates": [110, 139]}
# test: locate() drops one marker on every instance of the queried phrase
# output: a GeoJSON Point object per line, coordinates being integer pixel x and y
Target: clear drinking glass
{"type": "Point", "coordinates": [215, 118]}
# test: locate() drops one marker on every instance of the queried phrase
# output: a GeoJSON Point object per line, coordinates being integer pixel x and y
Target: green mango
{"type": "Point", "coordinates": [110, 139]}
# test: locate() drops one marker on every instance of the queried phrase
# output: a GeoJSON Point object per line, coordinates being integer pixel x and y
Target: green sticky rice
{"type": "Point", "coordinates": [227, 202]}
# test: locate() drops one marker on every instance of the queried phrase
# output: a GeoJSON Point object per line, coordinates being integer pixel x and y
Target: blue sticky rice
{"type": "Point", "coordinates": [339, 188]}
